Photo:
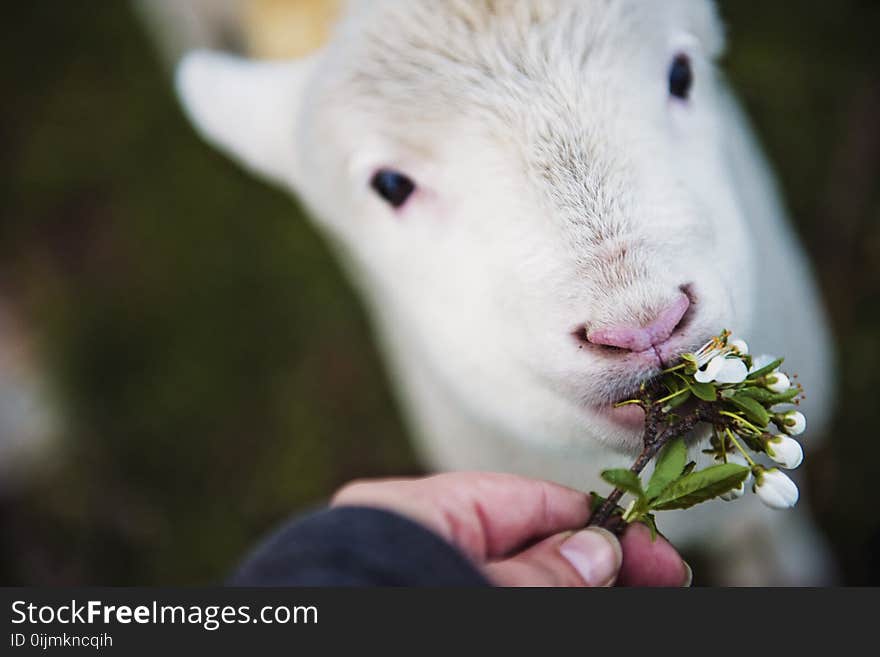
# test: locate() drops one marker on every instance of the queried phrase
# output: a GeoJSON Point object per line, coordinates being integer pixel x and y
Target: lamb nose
{"type": "Point", "coordinates": [640, 339]}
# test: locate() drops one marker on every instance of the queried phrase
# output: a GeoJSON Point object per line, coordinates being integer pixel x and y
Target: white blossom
{"type": "Point", "coordinates": [715, 347]}
{"type": "Point", "coordinates": [734, 371]}
{"type": "Point", "coordinates": [707, 372]}
{"type": "Point", "coordinates": [719, 361]}
{"type": "Point", "coordinates": [786, 451]}
{"type": "Point", "coordinates": [775, 489]}
{"type": "Point", "coordinates": [722, 370]}
{"type": "Point", "coordinates": [739, 346]}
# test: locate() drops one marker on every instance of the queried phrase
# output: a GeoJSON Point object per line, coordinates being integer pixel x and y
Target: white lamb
{"type": "Point", "coordinates": [543, 202]}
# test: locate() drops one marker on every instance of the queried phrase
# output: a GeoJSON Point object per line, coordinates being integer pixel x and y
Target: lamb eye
{"type": "Point", "coordinates": [393, 186]}
{"type": "Point", "coordinates": [681, 77]}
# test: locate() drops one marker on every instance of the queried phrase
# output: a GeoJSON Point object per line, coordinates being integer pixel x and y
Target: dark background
{"type": "Point", "coordinates": [215, 370]}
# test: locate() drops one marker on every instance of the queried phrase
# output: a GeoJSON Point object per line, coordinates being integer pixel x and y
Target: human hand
{"type": "Point", "coordinates": [524, 532]}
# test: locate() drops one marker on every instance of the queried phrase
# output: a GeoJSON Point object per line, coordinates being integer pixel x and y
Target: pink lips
{"type": "Point", "coordinates": [639, 339]}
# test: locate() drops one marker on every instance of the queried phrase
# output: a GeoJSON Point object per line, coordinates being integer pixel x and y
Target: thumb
{"type": "Point", "coordinates": [591, 557]}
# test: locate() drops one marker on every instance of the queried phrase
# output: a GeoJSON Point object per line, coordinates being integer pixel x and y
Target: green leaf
{"type": "Point", "coordinates": [705, 391]}
{"type": "Point", "coordinates": [758, 394]}
{"type": "Point", "coordinates": [625, 480]}
{"type": "Point", "coordinates": [700, 486]}
{"type": "Point", "coordinates": [675, 402]}
{"type": "Point", "coordinates": [766, 369]}
{"type": "Point", "coordinates": [784, 397]}
{"type": "Point", "coordinates": [691, 363]}
{"type": "Point", "coordinates": [768, 398]}
{"type": "Point", "coordinates": [668, 468]}
{"type": "Point", "coordinates": [672, 383]}
{"type": "Point", "coordinates": [651, 521]}
{"type": "Point", "coordinates": [752, 409]}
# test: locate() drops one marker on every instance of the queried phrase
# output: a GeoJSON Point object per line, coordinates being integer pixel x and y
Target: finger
{"type": "Point", "coordinates": [591, 557]}
{"type": "Point", "coordinates": [649, 562]}
{"type": "Point", "coordinates": [486, 515]}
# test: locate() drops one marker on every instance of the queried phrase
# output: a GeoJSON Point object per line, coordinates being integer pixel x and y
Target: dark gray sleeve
{"type": "Point", "coordinates": [354, 546]}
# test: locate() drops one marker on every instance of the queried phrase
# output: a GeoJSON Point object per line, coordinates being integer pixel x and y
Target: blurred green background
{"type": "Point", "coordinates": [215, 370]}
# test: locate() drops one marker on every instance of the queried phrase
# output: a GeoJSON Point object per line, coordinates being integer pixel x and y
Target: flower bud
{"type": "Point", "coordinates": [735, 493]}
{"type": "Point", "coordinates": [775, 489]}
{"type": "Point", "coordinates": [793, 422]}
{"type": "Point", "coordinates": [786, 451]}
{"type": "Point", "coordinates": [777, 382]}
{"type": "Point", "coordinates": [738, 492]}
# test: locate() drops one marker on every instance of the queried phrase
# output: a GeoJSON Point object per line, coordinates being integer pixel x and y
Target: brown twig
{"type": "Point", "coordinates": [656, 436]}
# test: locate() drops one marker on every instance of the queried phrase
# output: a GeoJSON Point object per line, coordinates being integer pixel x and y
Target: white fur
{"type": "Point", "coordinates": [558, 187]}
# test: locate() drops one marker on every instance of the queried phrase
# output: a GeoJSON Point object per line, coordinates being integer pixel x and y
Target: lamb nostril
{"type": "Point", "coordinates": [639, 339]}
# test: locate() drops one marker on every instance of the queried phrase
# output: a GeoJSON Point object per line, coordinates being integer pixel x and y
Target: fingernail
{"type": "Point", "coordinates": [688, 575]}
{"type": "Point", "coordinates": [595, 554]}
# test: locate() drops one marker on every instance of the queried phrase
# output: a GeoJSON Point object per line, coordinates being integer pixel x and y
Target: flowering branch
{"type": "Point", "coordinates": [741, 397]}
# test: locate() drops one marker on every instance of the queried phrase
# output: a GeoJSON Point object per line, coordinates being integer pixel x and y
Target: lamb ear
{"type": "Point", "coordinates": [246, 108]}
